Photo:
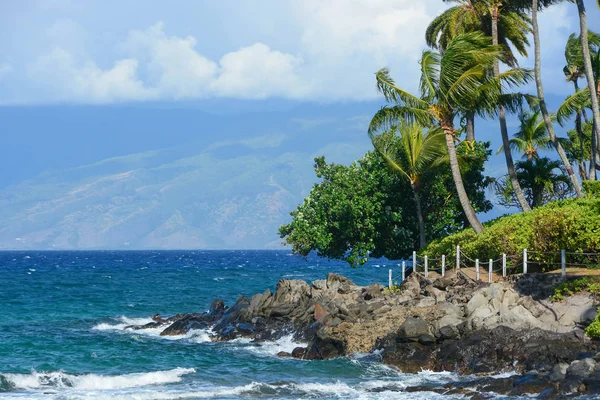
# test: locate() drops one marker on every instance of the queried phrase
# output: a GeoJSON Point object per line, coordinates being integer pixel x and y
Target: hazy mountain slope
{"type": "Point", "coordinates": [231, 195]}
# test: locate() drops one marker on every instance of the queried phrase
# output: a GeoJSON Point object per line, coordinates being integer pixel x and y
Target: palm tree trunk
{"type": "Point", "coordinates": [592, 175]}
{"type": "Point", "coordinates": [510, 165]}
{"type": "Point", "coordinates": [415, 190]}
{"type": "Point", "coordinates": [582, 170]}
{"type": "Point", "coordinates": [542, 102]}
{"type": "Point", "coordinates": [589, 76]}
{"type": "Point", "coordinates": [470, 126]}
{"type": "Point", "coordinates": [458, 182]}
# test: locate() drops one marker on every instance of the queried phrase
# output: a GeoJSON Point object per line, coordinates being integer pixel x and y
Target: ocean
{"type": "Point", "coordinates": [63, 314]}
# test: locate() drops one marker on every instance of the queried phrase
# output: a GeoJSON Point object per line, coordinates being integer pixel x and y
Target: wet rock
{"type": "Point", "coordinates": [410, 357]}
{"type": "Point", "coordinates": [299, 352]}
{"type": "Point", "coordinates": [559, 372]}
{"type": "Point", "coordinates": [581, 368]}
{"type": "Point", "coordinates": [324, 347]}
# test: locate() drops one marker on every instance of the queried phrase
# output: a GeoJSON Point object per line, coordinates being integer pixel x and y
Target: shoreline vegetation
{"type": "Point", "coordinates": [420, 189]}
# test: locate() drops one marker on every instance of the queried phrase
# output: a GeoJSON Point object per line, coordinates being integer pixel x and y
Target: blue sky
{"type": "Point", "coordinates": [83, 82]}
{"type": "Point", "coordinates": [101, 52]}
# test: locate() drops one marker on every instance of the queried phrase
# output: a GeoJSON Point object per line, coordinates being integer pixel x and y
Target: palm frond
{"type": "Point", "coordinates": [573, 104]}
{"type": "Point", "coordinates": [387, 117]}
{"type": "Point", "coordinates": [394, 94]}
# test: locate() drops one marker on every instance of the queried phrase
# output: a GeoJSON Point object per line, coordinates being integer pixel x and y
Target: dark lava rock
{"type": "Point", "coordinates": [298, 352]}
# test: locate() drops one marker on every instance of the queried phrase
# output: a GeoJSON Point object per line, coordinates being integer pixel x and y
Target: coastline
{"type": "Point", "coordinates": [450, 324]}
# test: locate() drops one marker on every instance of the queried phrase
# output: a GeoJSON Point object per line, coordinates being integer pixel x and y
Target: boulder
{"type": "Point", "coordinates": [413, 328]}
{"type": "Point", "coordinates": [581, 368]}
{"type": "Point", "coordinates": [559, 372]}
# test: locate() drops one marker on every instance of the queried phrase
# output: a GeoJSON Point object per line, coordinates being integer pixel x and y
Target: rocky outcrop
{"type": "Point", "coordinates": [445, 324]}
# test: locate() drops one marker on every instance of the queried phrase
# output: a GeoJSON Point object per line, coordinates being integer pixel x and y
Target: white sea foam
{"type": "Point", "coordinates": [195, 335]}
{"type": "Point", "coordinates": [285, 343]}
{"type": "Point", "coordinates": [162, 385]}
{"type": "Point", "coordinates": [61, 380]}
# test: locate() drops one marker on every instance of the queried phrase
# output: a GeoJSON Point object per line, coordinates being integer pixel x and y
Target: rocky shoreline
{"type": "Point", "coordinates": [438, 324]}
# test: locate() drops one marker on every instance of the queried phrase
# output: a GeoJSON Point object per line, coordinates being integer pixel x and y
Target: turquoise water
{"type": "Point", "coordinates": [63, 316]}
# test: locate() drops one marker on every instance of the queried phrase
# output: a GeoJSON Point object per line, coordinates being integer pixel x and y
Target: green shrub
{"type": "Point", "coordinates": [569, 288]}
{"type": "Point", "coordinates": [593, 329]}
{"type": "Point", "coordinates": [592, 188]}
{"type": "Point", "coordinates": [572, 225]}
{"type": "Point", "coordinates": [392, 290]}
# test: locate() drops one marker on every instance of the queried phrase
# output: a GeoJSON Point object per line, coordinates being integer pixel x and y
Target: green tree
{"type": "Point", "coordinates": [535, 5]}
{"type": "Point", "coordinates": [504, 23]}
{"type": "Point", "coordinates": [448, 82]}
{"type": "Point", "coordinates": [364, 210]}
{"type": "Point", "coordinates": [578, 148]}
{"type": "Point", "coordinates": [410, 151]}
{"type": "Point", "coordinates": [577, 103]}
{"type": "Point", "coordinates": [542, 179]}
{"type": "Point", "coordinates": [593, 85]}
{"type": "Point", "coordinates": [531, 135]}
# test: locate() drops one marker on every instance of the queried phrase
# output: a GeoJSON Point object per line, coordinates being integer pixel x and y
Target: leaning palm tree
{"type": "Point", "coordinates": [535, 5]}
{"type": "Point", "coordinates": [447, 82]}
{"type": "Point", "coordinates": [505, 23]}
{"type": "Point", "coordinates": [531, 136]}
{"type": "Point", "coordinates": [411, 153]}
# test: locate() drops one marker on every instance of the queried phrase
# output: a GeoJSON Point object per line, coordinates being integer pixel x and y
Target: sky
{"type": "Point", "coordinates": [107, 51]}
{"type": "Point", "coordinates": [83, 82]}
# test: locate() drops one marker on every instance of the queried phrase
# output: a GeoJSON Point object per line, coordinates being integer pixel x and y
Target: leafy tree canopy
{"type": "Point", "coordinates": [366, 210]}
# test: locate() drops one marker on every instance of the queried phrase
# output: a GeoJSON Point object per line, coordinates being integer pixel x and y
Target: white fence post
{"type": "Point", "coordinates": [414, 261]}
{"type": "Point", "coordinates": [443, 265]}
{"type": "Point", "coordinates": [403, 270]}
{"type": "Point", "coordinates": [477, 269]}
{"type": "Point", "coordinates": [504, 265]}
{"type": "Point", "coordinates": [426, 267]}
{"type": "Point", "coordinates": [490, 271]}
{"type": "Point", "coordinates": [390, 279]}
{"type": "Point", "coordinates": [563, 264]}
{"type": "Point", "coordinates": [524, 261]}
{"type": "Point", "coordinates": [457, 257]}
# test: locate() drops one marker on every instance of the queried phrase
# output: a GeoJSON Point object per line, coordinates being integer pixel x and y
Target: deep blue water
{"type": "Point", "coordinates": [62, 316]}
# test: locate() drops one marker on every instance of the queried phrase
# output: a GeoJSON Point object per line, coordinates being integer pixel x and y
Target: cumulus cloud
{"type": "Point", "coordinates": [259, 72]}
{"type": "Point", "coordinates": [175, 68]}
{"type": "Point", "coordinates": [335, 48]}
{"type": "Point", "coordinates": [64, 78]}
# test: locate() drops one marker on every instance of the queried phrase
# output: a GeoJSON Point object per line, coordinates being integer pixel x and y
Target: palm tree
{"type": "Point", "coordinates": [542, 180]}
{"type": "Point", "coordinates": [588, 69]}
{"type": "Point", "coordinates": [577, 103]}
{"type": "Point", "coordinates": [535, 4]}
{"type": "Point", "coordinates": [578, 148]}
{"type": "Point", "coordinates": [411, 153]}
{"type": "Point", "coordinates": [447, 82]}
{"type": "Point", "coordinates": [509, 26]}
{"type": "Point", "coordinates": [531, 136]}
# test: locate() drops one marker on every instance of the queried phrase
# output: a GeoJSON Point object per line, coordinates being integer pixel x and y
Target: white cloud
{"type": "Point", "coordinates": [259, 72]}
{"type": "Point", "coordinates": [176, 69]}
{"type": "Point", "coordinates": [64, 79]}
{"type": "Point", "coordinates": [337, 47]}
